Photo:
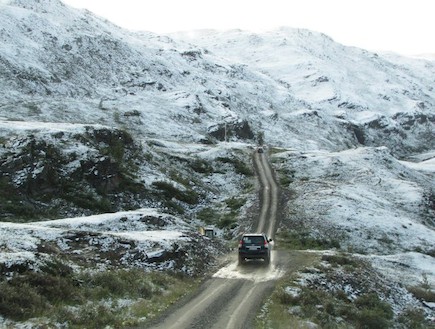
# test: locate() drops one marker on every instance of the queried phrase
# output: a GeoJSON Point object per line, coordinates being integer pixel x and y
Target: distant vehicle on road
{"type": "Point", "coordinates": [260, 149]}
{"type": "Point", "coordinates": [254, 246]}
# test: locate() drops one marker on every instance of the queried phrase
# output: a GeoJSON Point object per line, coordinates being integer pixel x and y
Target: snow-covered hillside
{"type": "Point", "coordinates": [286, 84]}
{"type": "Point", "coordinates": [95, 119]}
{"type": "Point", "coordinates": [384, 99]}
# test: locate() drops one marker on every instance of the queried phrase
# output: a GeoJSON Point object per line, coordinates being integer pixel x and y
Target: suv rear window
{"type": "Point", "coordinates": [253, 240]}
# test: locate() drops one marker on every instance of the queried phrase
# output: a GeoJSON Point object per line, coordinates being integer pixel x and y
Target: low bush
{"type": "Point", "coordinates": [373, 313]}
{"type": "Point", "coordinates": [371, 319]}
{"type": "Point", "coordinates": [235, 203]}
{"type": "Point", "coordinates": [240, 167]}
{"type": "Point", "coordinates": [286, 177]}
{"type": "Point", "coordinates": [92, 316]}
{"type": "Point", "coordinates": [413, 319]}
{"type": "Point", "coordinates": [422, 293]}
{"type": "Point", "coordinates": [227, 221]}
{"type": "Point", "coordinates": [367, 311]}
{"type": "Point", "coordinates": [170, 191]}
{"type": "Point", "coordinates": [89, 201]}
{"type": "Point", "coordinates": [20, 301]}
{"type": "Point", "coordinates": [88, 299]}
{"type": "Point", "coordinates": [303, 240]}
{"type": "Point", "coordinates": [201, 166]}
{"type": "Point", "coordinates": [116, 284]}
{"type": "Point", "coordinates": [341, 259]}
{"type": "Point", "coordinates": [31, 293]}
{"type": "Point", "coordinates": [208, 215]}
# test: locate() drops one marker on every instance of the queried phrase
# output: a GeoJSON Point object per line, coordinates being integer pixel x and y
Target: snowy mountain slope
{"type": "Point", "coordinates": [71, 54]}
{"type": "Point", "coordinates": [383, 95]}
{"type": "Point", "coordinates": [363, 196]}
{"type": "Point", "coordinates": [319, 70]}
{"type": "Point", "coordinates": [64, 170]}
{"type": "Point", "coordinates": [371, 205]}
{"type": "Point", "coordinates": [95, 72]}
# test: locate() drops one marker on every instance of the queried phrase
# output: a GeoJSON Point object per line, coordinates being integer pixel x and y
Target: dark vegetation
{"type": "Point", "coordinates": [232, 131]}
{"type": "Point", "coordinates": [241, 167]}
{"type": "Point", "coordinates": [43, 178]}
{"type": "Point", "coordinates": [423, 291]}
{"type": "Point", "coordinates": [301, 240]}
{"type": "Point", "coordinates": [367, 311]}
{"type": "Point", "coordinates": [185, 189]}
{"type": "Point", "coordinates": [345, 292]}
{"type": "Point", "coordinates": [169, 191]}
{"type": "Point", "coordinates": [87, 299]}
{"type": "Point", "coordinates": [47, 178]}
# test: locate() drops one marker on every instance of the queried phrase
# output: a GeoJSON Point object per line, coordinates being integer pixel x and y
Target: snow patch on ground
{"type": "Point", "coordinates": [375, 199]}
{"type": "Point", "coordinates": [410, 269]}
{"type": "Point", "coordinates": [20, 242]}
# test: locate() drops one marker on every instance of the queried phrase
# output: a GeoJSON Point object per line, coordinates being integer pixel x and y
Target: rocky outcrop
{"type": "Point", "coordinates": [73, 173]}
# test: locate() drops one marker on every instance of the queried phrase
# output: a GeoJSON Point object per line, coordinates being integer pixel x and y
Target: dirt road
{"type": "Point", "coordinates": [234, 294]}
{"type": "Point", "coordinates": [269, 195]}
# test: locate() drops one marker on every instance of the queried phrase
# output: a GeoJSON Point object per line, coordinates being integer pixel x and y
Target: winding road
{"type": "Point", "coordinates": [233, 296]}
{"type": "Point", "coordinates": [269, 195]}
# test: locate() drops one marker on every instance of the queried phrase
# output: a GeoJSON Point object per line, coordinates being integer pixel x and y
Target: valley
{"type": "Point", "coordinates": [117, 147]}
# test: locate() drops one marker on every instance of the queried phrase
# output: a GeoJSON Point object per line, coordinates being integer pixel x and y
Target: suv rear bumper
{"type": "Point", "coordinates": [254, 254]}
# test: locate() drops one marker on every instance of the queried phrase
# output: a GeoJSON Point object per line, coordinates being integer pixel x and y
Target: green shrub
{"type": "Point", "coordinates": [413, 319]}
{"type": "Point", "coordinates": [371, 319]}
{"type": "Point", "coordinates": [286, 176]}
{"type": "Point", "coordinates": [340, 259]}
{"type": "Point", "coordinates": [373, 313]}
{"type": "Point", "coordinates": [303, 240]}
{"type": "Point", "coordinates": [89, 201]}
{"type": "Point", "coordinates": [58, 268]}
{"type": "Point", "coordinates": [52, 288]}
{"type": "Point", "coordinates": [177, 177]}
{"type": "Point", "coordinates": [201, 166]}
{"type": "Point", "coordinates": [173, 207]}
{"type": "Point", "coordinates": [20, 301]}
{"type": "Point", "coordinates": [13, 204]}
{"type": "Point", "coordinates": [227, 221]}
{"type": "Point", "coordinates": [287, 299]}
{"type": "Point", "coordinates": [422, 293]}
{"type": "Point", "coordinates": [115, 150]}
{"type": "Point", "coordinates": [367, 311]}
{"type": "Point", "coordinates": [235, 203]}
{"type": "Point", "coordinates": [170, 191]}
{"type": "Point", "coordinates": [240, 167]}
{"type": "Point", "coordinates": [31, 292]}
{"type": "Point", "coordinates": [313, 297]}
{"type": "Point", "coordinates": [243, 169]}
{"type": "Point", "coordinates": [208, 215]}
{"type": "Point", "coordinates": [91, 316]}
{"type": "Point", "coordinates": [117, 283]}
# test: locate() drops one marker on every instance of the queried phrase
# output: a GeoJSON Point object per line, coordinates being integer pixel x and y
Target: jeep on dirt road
{"type": "Point", "coordinates": [254, 246]}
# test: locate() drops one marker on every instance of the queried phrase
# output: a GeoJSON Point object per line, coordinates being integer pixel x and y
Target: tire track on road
{"type": "Point", "coordinates": [269, 196]}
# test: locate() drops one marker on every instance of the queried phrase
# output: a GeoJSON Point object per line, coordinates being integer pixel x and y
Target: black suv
{"type": "Point", "coordinates": [254, 246]}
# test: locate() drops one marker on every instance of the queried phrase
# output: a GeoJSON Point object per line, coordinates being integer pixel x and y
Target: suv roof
{"type": "Point", "coordinates": [255, 234]}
